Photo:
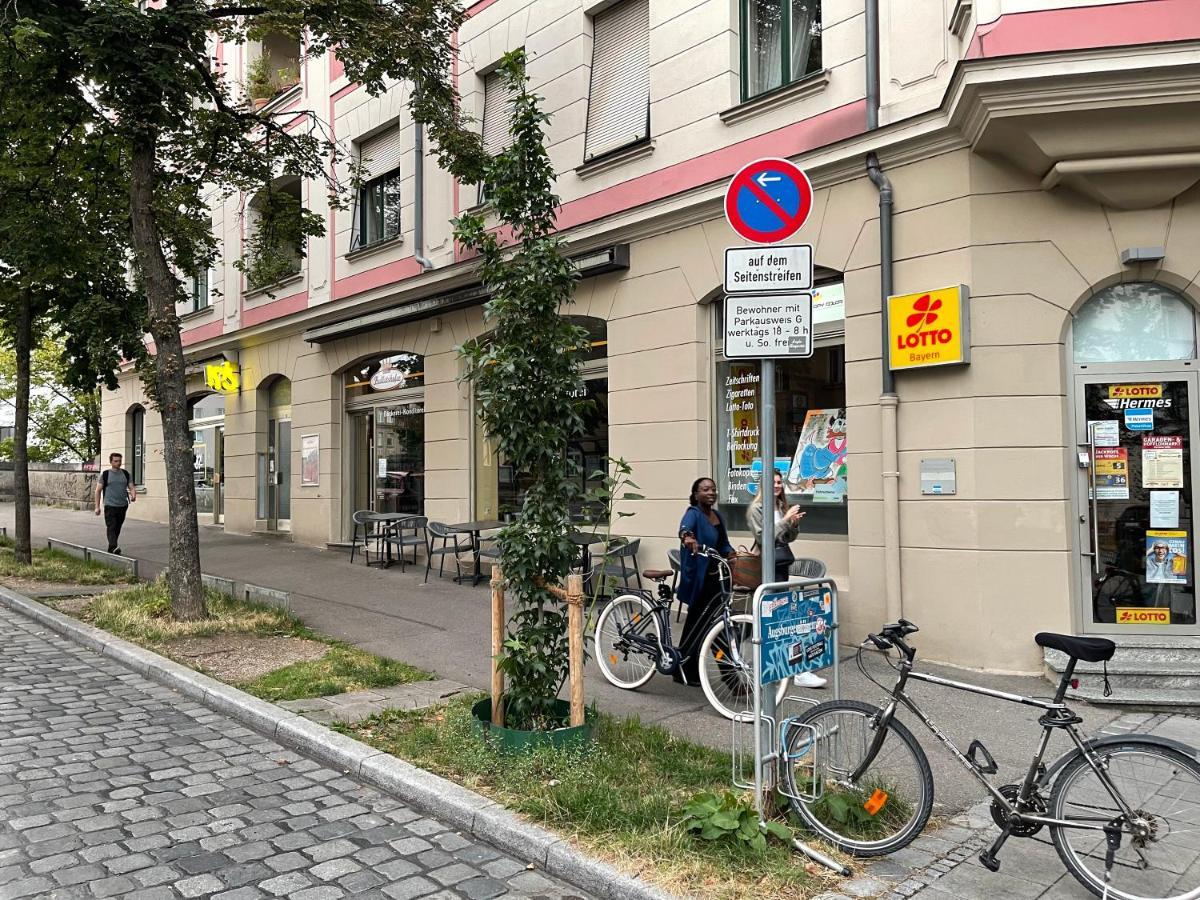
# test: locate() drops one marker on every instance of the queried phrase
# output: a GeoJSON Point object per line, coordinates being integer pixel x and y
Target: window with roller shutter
{"type": "Point", "coordinates": [619, 98]}
{"type": "Point", "coordinates": [378, 216]}
{"type": "Point", "coordinates": [497, 115]}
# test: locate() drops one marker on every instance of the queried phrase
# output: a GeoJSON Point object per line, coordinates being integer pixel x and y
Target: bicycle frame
{"type": "Point", "coordinates": [1057, 716]}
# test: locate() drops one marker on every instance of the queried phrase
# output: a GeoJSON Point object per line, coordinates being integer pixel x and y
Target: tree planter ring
{"type": "Point", "coordinates": [512, 739]}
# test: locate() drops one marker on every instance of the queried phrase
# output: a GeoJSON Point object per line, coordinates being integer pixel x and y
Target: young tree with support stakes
{"type": "Point", "coordinates": [194, 140]}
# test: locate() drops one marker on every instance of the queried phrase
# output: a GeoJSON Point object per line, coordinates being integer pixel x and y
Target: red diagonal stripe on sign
{"type": "Point", "coordinates": [770, 202]}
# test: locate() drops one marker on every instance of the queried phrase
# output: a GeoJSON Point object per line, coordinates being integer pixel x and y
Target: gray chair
{"type": "Point", "coordinates": [373, 531]}
{"type": "Point", "coordinates": [620, 562]}
{"type": "Point", "coordinates": [407, 532]}
{"type": "Point", "coordinates": [453, 543]}
{"type": "Point", "coordinates": [807, 567]}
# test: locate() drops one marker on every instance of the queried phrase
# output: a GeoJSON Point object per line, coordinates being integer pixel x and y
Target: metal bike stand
{"type": "Point", "coordinates": [760, 718]}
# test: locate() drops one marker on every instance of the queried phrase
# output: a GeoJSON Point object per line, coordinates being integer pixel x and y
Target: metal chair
{"type": "Point", "coordinates": [372, 531]}
{"type": "Point", "coordinates": [807, 567]}
{"type": "Point", "coordinates": [620, 562]}
{"type": "Point", "coordinates": [400, 538]}
{"type": "Point", "coordinates": [451, 545]}
{"type": "Point", "coordinates": [673, 557]}
{"type": "Point", "coordinates": [489, 550]}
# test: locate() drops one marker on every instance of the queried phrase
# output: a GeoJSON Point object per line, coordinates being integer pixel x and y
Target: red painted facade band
{"type": "Point", "coordinates": [203, 332]}
{"type": "Point", "coordinates": [283, 306]}
{"type": "Point", "coordinates": [377, 277]}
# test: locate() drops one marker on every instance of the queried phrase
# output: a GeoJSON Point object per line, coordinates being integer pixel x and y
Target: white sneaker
{"type": "Point", "coordinates": [808, 680]}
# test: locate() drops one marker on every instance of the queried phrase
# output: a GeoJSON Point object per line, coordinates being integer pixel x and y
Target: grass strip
{"type": "Point", "coordinates": [620, 799]}
{"type": "Point", "coordinates": [58, 567]}
{"type": "Point", "coordinates": [339, 671]}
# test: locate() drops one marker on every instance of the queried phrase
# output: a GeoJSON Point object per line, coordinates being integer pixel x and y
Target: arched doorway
{"type": "Point", "coordinates": [206, 419]}
{"type": "Point", "coordinates": [273, 461]}
{"type": "Point", "coordinates": [1135, 391]}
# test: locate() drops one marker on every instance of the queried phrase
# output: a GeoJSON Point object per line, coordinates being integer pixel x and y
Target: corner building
{"type": "Point", "coordinates": [1043, 154]}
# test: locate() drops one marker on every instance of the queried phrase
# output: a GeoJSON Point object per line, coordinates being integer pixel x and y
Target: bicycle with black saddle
{"type": "Point", "coordinates": [1123, 811]}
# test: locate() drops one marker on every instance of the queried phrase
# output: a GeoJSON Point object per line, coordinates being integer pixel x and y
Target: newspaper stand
{"type": "Point", "coordinates": [770, 748]}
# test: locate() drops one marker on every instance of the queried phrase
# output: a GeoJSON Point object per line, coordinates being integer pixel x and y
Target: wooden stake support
{"type": "Point", "coordinates": [498, 623]}
{"type": "Point", "coordinates": [575, 645]}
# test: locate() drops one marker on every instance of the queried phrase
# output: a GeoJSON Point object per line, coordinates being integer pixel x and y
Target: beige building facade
{"type": "Point", "coordinates": [1043, 154]}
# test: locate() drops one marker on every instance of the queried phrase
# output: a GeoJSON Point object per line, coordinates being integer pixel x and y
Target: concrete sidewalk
{"type": "Point", "coordinates": [444, 627]}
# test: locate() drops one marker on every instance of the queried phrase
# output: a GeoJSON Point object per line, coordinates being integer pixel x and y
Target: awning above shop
{"type": "Point", "coordinates": [613, 258]}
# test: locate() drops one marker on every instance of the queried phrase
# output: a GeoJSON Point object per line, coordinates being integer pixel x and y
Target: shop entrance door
{"type": "Point", "coordinates": [279, 474]}
{"type": "Point", "coordinates": [1137, 441]}
{"type": "Point", "coordinates": [218, 478]}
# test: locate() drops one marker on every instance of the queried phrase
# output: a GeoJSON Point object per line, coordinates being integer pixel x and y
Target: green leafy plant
{"type": "Point", "coordinates": [528, 383]}
{"type": "Point", "coordinates": [730, 818]}
{"type": "Point", "coordinates": [277, 240]}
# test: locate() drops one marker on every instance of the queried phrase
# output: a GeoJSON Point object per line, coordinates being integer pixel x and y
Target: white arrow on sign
{"type": "Point", "coordinates": [763, 178]}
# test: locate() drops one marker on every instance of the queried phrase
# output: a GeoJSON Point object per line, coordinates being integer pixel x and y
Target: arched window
{"type": "Point", "coordinates": [383, 374]}
{"type": "Point", "coordinates": [1136, 322]}
{"type": "Point", "coordinates": [135, 444]}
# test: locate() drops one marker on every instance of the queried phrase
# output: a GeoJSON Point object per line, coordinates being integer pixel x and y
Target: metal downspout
{"type": "Point", "coordinates": [889, 402]}
{"type": "Point", "coordinates": [872, 23]}
{"type": "Point", "coordinates": [419, 198]}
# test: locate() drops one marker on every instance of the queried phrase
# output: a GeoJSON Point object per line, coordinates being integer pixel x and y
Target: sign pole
{"type": "Point", "coordinates": [766, 451]}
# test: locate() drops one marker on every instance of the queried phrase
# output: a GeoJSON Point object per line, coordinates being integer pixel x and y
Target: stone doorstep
{"type": "Point", "coordinates": [357, 705]}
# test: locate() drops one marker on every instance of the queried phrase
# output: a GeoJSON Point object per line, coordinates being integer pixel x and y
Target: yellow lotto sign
{"type": "Point", "coordinates": [1139, 615]}
{"type": "Point", "coordinates": [1132, 391]}
{"type": "Point", "coordinates": [929, 328]}
{"type": "Point", "coordinates": [224, 377]}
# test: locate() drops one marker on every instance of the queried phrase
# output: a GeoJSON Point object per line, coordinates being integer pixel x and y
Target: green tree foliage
{"type": "Point", "coordinates": [527, 381]}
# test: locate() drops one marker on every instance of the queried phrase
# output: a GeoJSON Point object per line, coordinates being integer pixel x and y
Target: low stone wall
{"type": "Point", "coordinates": [52, 484]}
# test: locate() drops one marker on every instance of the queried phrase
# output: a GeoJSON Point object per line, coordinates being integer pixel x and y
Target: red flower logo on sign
{"type": "Point", "coordinates": [925, 312]}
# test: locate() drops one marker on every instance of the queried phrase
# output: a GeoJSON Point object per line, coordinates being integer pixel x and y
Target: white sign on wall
{"type": "Point", "coordinates": [768, 326]}
{"type": "Point", "coordinates": [762, 270]}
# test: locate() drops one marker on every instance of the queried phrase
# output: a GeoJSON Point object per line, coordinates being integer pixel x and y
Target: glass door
{"type": "Point", "coordinates": [279, 474]}
{"type": "Point", "coordinates": [399, 459]}
{"type": "Point", "coordinates": [218, 476]}
{"type": "Point", "coordinates": [1137, 444]}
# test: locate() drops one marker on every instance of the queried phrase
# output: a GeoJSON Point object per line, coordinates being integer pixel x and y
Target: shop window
{"type": "Point", "coordinates": [1135, 322]}
{"type": "Point", "coordinates": [384, 374]}
{"type": "Point", "coordinates": [619, 96]}
{"type": "Point", "coordinates": [781, 43]}
{"type": "Point", "coordinates": [379, 198]}
{"type": "Point", "coordinates": [810, 427]}
{"type": "Point", "coordinates": [208, 406]}
{"type": "Point", "coordinates": [135, 444]}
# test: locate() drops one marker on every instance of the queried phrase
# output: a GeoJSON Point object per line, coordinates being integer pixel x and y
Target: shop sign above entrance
{"type": "Point", "coordinates": [763, 270]}
{"type": "Point", "coordinates": [768, 200]}
{"type": "Point", "coordinates": [768, 326]}
{"type": "Point", "coordinates": [929, 328]}
{"type": "Point", "coordinates": [387, 379]}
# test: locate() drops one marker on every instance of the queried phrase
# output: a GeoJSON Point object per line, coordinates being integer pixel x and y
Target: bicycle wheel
{"type": "Point", "coordinates": [886, 808]}
{"type": "Point", "coordinates": [628, 643]}
{"type": "Point", "coordinates": [727, 666]}
{"type": "Point", "coordinates": [1162, 788]}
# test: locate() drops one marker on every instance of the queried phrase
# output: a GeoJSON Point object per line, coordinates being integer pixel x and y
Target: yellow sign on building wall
{"type": "Point", "coordinates": [224, 377]}
{"type": "Point", "coordinates": [929, 328]}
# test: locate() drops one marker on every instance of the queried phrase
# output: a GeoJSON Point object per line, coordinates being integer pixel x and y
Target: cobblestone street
{"type": "Point", "coordinates": [114, 786]}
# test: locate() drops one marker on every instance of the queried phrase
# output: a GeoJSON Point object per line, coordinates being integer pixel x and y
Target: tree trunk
{"type": "Point", "coordinates": [91, 427]}
{"type": "Point", "coordinates": [170, 388]}
{"type": "Point", "coordinates": [22, 344]}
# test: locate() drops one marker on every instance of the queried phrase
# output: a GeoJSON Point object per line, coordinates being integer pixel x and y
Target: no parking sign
{"type": "Point", "coordinates": [768, 200]}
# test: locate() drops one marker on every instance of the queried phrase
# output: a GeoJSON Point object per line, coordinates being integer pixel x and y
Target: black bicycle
{"type": "Point", "coordinates": [633, 641]}
{"type": "Point", "coordinates": [1123, 811]}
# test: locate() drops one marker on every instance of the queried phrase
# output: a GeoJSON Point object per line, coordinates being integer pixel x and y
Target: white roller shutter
{"type": "Point", "coordinates": [381, 153]}
{"type": "Point", "coordinates": [496, 114]}
{"type": "Point", "coordinates": [619, 101]}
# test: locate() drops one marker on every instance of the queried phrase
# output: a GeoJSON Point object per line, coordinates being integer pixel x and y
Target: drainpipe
{"type": "Point", "coordinates": [872, 21]}
{"type": "Point", "coordinates": [889, 401]}
{"type": "Point", "coordinates": [419, 197]}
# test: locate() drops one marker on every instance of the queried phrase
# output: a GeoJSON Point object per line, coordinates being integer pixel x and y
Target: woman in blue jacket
{"type": "Point", "coordinates": [699, 576]}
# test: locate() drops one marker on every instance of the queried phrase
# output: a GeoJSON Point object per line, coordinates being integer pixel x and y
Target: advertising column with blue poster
{"type": "Point", "coordinates": [797, 631]}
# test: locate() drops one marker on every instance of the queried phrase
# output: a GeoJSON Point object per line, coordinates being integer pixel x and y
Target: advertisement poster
{"type": "Point", "coordinates": [1166, 557]}
{"type": "Point", "coordinates": [797, 634]}
{"type": "Point", "coordinates": [741, 402]}
{"type": "Point", "coordinates": [1164, 509]}
{"type": "Point", "coordinates": [1162, 461]}
{"type": "Point", "coordinates": [1105, 434]}
{"type": "Point", "coordinates": [821, 456]}
{"type": "Point", "coordinates": [1112, 473]}
{"type": "Point", "coordinates": [310, 460]}
{"type": "Point", "coordinates": [199, 462]}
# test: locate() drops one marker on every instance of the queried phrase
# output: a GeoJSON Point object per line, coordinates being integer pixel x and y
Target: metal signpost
{"type": "Point", "coordinates": [768, 314]}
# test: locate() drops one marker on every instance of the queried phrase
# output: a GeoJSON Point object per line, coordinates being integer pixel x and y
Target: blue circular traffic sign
{"type": "Point", "coordinates": [768, 200]}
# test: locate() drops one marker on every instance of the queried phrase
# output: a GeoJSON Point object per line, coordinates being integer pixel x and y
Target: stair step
{"type": "Point", "coordinates": [1130, 664]}
{"type": "Point", "coordinates": [1142, 698]}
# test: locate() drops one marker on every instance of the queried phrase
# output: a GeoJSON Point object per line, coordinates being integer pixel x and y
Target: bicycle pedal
{"type": "Point", "coordinates": [989, 861]}
{"type": "Point", "coordinates": [988, 766]}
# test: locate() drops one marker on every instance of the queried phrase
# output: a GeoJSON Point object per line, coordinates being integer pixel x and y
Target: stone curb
{"type": "Point", "coordinates": [452, 803]}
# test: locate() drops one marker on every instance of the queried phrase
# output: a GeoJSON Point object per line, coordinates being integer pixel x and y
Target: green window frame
{"type": "Point", "coordinates": [780, 44]}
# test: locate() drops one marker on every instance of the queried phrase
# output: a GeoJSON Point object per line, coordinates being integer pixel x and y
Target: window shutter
{"type": "Point", "coordinates": [619, 101]}
{"type": "Point", "coordinates": [380, 154]}
{"type": "Point", "coordinates": [495, 114]}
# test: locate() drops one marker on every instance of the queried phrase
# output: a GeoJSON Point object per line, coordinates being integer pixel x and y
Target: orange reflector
{"type": "Point", "coordinates": [876, 802]}
{"type": "Point", "coordinates": [613, 657]}
{"type": "Point", "coordinates": [720, 655]}
{"type": "Point", "coordinates": [637, 617]}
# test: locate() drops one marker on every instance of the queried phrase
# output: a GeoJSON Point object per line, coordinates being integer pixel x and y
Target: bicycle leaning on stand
{"type": "Point", "coordinates": [633, 641]}
{"type": "Point", "coordinates": [1123, 811]}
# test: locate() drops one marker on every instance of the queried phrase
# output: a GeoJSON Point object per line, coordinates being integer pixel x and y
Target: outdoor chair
{"type": "Point", "coordinates": [489, 550]}
{"type": "Point", "coordinates": [407, 532]}
{"type": "Point", "coordinates": [452, 543]}
{"type": "Point", "coordinates": [673, 558]}
{"type": "Point", "coordinates": [620, 563]}
{"type": "Point", "coordinates": [373, 532]}
{"type": "Point", "coordinates": [807, 567]}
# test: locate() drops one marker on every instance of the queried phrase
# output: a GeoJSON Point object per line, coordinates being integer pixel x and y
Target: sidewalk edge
{"type": "Point", "coordinates": [429, 793]}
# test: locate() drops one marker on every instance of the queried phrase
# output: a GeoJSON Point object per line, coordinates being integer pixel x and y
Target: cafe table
{"type": "Point", "coordinates": [475, 529]}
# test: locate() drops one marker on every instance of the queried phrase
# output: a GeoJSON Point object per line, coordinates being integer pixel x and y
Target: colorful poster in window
{"type": "Point", "coordinates": [1112, 473]}
{"type": "Point", "coordinates": [1166, 557]}
{"type": "Point", "coordinates": [310, 460]}
{"type": "Point", "coordinates": [741, 403]}
{"type": "Point", "coordinates": [820, 459]}
{"type": "Point", "coordinates": [1162, 461]}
